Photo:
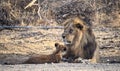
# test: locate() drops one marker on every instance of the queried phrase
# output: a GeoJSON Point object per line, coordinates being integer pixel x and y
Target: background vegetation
{"type": "Point", "coordinates": [12, 12]}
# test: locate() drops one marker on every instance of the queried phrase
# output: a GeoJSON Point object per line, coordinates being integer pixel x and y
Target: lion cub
{"type": "Point", "coordinates": [55, 57]}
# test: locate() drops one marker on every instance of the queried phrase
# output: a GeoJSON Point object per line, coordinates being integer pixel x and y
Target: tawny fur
{"type": "Point", "coordinates": [80, 40]}
{"type": "Point", "coordinates": [55, 57]}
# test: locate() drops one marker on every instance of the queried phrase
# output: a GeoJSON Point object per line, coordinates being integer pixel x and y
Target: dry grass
{"type": "Point", "coordinates": [17, 46]}
{"type": "Point", "coordinates": [15, 12]}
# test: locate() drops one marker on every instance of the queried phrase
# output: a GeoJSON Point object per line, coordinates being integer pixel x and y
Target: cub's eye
{"type": "Point", "coordinates": [71, 30]}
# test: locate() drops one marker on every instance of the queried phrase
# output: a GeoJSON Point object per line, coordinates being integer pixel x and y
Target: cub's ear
{"type": "Point", "coordinates": [79, 26]}
{"type": "Point", "coordinates": [56, 45]}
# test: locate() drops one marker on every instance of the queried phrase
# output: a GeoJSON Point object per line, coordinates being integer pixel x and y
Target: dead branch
{"type": "Point", "coordinates": [30, 4]}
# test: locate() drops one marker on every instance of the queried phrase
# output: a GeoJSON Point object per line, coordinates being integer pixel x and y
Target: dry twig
{"type": "Point", "coordinates": [30, 4]}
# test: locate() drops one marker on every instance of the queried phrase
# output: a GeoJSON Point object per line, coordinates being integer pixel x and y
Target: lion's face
{"type": "Point", "coordinates": [72, 28]}
{"type": "Point", "coordinates": [69, 33]}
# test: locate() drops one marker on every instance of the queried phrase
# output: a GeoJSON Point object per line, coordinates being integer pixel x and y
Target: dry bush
{"type": "Point", "coordinates": [109, 13]}
{"type": "Point", "coordinates": [12, 12]}
{"type": "Point", "coordinates": [94, 11]}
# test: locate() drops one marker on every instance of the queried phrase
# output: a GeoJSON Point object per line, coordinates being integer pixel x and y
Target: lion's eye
{"type": "Point", "coordinates": [71, 30]}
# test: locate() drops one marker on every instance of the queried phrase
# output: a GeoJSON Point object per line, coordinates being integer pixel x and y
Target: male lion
{"type": "Point", "coordinates": [55, 57]}
{"type": "Point", "coordinates": [80, 40]}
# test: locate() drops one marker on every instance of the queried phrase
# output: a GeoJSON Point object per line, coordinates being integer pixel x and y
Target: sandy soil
{"type": "Point", "coordinates": [108, 39]}
{"type": "Point", "coordinates": [61, 67]}
{"type": "Point", "coordinates": [18, 45]}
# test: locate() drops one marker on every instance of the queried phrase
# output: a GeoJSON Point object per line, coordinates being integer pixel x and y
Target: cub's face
{"type": "Point", "coordinates": [72, 27]}
{"type": "Point", "coordinates": [61, 48]}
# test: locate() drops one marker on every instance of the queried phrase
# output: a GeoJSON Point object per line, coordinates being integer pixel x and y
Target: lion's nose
{"type": "Point", "coordinates": [63, 36]}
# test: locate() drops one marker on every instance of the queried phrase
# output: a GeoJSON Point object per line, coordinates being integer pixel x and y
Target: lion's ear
{"type": "Point", "coordinates": [79, 26]}
{"type": "Point", "coordinates": [78, 23]}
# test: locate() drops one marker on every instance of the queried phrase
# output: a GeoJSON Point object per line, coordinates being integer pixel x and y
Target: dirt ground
{"type": "Point", "coordinates": [16, 46]}
{"type": "Point", "coordinates": [61, 67]}
{"type": "Point", "coordinates": [108, 40]}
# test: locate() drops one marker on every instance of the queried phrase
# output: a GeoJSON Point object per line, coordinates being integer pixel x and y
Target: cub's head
{"type": "Point", "coordinates": [61, 48]}
{"type": "Point", "coordinates": [73, 30]}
